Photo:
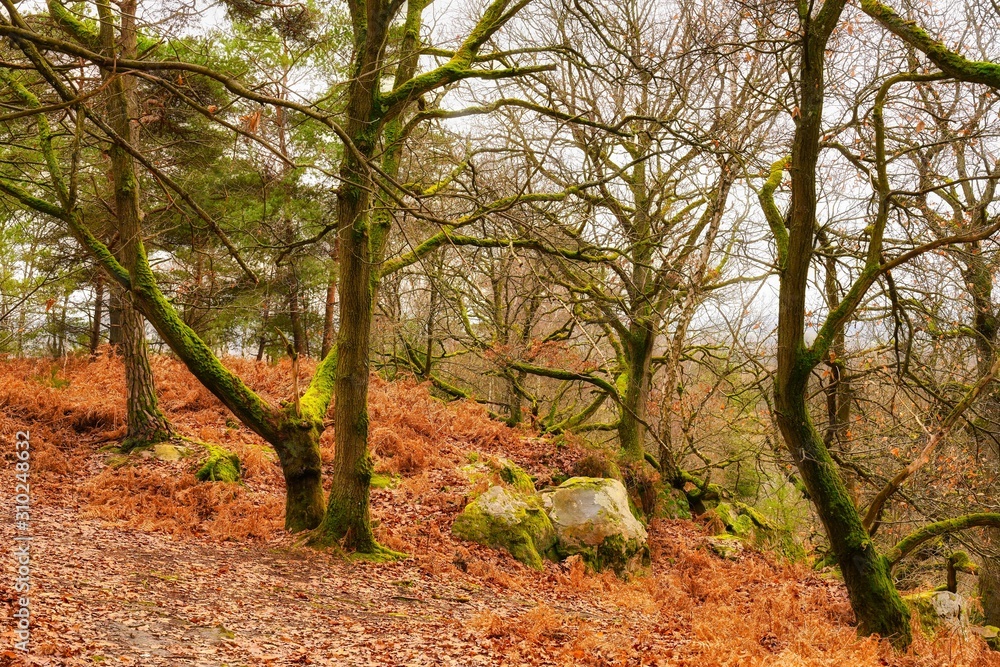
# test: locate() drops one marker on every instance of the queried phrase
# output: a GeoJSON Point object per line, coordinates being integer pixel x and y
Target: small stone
{"type": "Point", "coordinates": [166, 452]}
{"type": "Point", "coordinates": [728, 547]}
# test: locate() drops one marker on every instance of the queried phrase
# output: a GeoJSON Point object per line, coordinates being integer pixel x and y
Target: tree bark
{"type": "Point", "coordinates": [632, 423]}
{"type": "Point", "coordinates": [115, 316]}
{"type": "Point", "coordinates": [348, 514]}
{"type": "Point", "coordinates": [262, 342]}
{"type": "Point", "coordinates": [95, 327]}
{"type": "Point", "coordinates": [302, 469]}
{"type": "Point", "coordinates": [874, 598]}
{"type": "Point", "coordinates": [145, 422]}
{"type": "Point", "coordinates": [989, 584]}
{"type": "Point", "coordinates": [331, 306]}
{"type": "Point", "coordinates": [299, 338]}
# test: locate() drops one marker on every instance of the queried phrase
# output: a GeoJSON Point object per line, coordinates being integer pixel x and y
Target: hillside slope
{"type": "Point", "coordinates": [137, 563]}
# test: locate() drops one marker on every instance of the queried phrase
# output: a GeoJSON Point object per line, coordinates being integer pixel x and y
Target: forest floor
{"type": "Point", "coordinates": [136, 563]}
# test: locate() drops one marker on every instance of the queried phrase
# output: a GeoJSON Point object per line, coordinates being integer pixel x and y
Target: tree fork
{"type": "Point", "coordinates": [874, 598]}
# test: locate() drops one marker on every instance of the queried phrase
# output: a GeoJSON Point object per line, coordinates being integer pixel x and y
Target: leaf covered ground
{"type": "Point", "coordinates": [136, 563]}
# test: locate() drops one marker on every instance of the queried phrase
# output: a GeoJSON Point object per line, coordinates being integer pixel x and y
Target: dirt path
{"type": "Point", "coordinates": [108, 596]}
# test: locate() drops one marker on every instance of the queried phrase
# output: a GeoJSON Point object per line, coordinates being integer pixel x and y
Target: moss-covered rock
{"type": "Point", "coordinates": [592, 518]}
{"type": "Point", "coordinates": [512, 475]}
{"type": "Point", "coordinates": [672, 504]}
{"type": "Point", "coordinates": [939, 608]}
{"type": "Point", "coordinates": [503, 518]}
{"type": "Point", "coordinates": [221, 466]}
{"type": "Point", "coordinates": [729, 547]}
{"type": "Point", "coordinates": [735, 522]}
{"type": "Point", "coordinates": [164, 451]}
{"type": "Point", "coordinates": [989, 633]}
{"type": "Point", "coordinates": [498, 472]}
{"type": "Point", "coordinates": [743, 521]}
{"type": "Point", "coordinates": [382, 481]}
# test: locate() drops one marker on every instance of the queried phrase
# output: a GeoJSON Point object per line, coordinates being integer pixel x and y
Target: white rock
{"type": "Point", "coordinates": [592, 518]}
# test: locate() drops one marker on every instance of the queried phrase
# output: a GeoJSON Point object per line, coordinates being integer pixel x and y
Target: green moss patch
{"type": "Point", "coordinates": [221, 466]}
{"type": "Point", "coordinates": [382, 481]}
{"type": "Point", "coordinates": [512, 475]}
{"type": "Point", "coordinates": [672, 504]}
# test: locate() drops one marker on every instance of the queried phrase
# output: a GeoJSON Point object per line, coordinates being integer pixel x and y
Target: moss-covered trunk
{"type": "Point", "coordinates": [979, 282]}
{"type": "Point", "coordinates": [513, 399]}
{"type": "Point", "coordinates": [302, 469]}
{"type": "Point", "coordinates": [348, 516]}
{"type": "Point", "coordinates": [632, 423]}
{"type": "Point", "coordinates": [362, 235]}
{"type": "Point", "coordinates": [876, 603]}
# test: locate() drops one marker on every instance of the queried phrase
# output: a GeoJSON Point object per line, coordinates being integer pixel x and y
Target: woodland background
{"type": "Point", "coordinates": [732, 253]}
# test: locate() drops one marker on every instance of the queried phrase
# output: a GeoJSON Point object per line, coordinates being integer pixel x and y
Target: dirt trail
{"type": "Point", "coordinates": [104, 595]}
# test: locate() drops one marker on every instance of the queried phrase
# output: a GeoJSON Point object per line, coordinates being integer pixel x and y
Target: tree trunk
{"type": "Point", "coordinates": [299, 339]}
{"type": "Point", "coordinates": [514, 398]}
{"type": "Point", "coordinates": [262, 343]}
{"type": "Point", "coordinates": [63, 333]}
{"type": "Point", "coordinates": [632, 423]}
{"type": "Point", "coordinates": [874, 598]}
{"type": "Point", "coordinates": [95, 327]}
{"type": "Point", "coordinates": [348, 513]}
{"type": "Point", "coordinates": [146, 423]}
{"type": "Point", "coordinates": [115, 316]}
{"type": "Point", "coordinates": [331, 307]}
{"type": "Point", "coordinates": [979, 282]}
{"type": "Point", "coordinates": [302, 469]}
{"type": "Point", "coordinates": [989, 583]}
{"type": "Point", "coordinates": [361, 241]}
{"type": "Point", "coordinates": [429, 342]}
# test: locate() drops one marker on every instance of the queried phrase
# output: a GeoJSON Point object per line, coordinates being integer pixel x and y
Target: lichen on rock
{"type": "Point", "coordinates": [937, 608]}
{"type": "Point", "coordinates": [592, 518]}
{"type": "Point", "coordinates": [729, 547]}
{"type": "Point", "coordinates": [504, 518]}
{"type": "Point", "coordinates": [164, 451]}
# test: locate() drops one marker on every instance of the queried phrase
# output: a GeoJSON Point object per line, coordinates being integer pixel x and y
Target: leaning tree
{"type": "Point", "coordinates": [384, 86]}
